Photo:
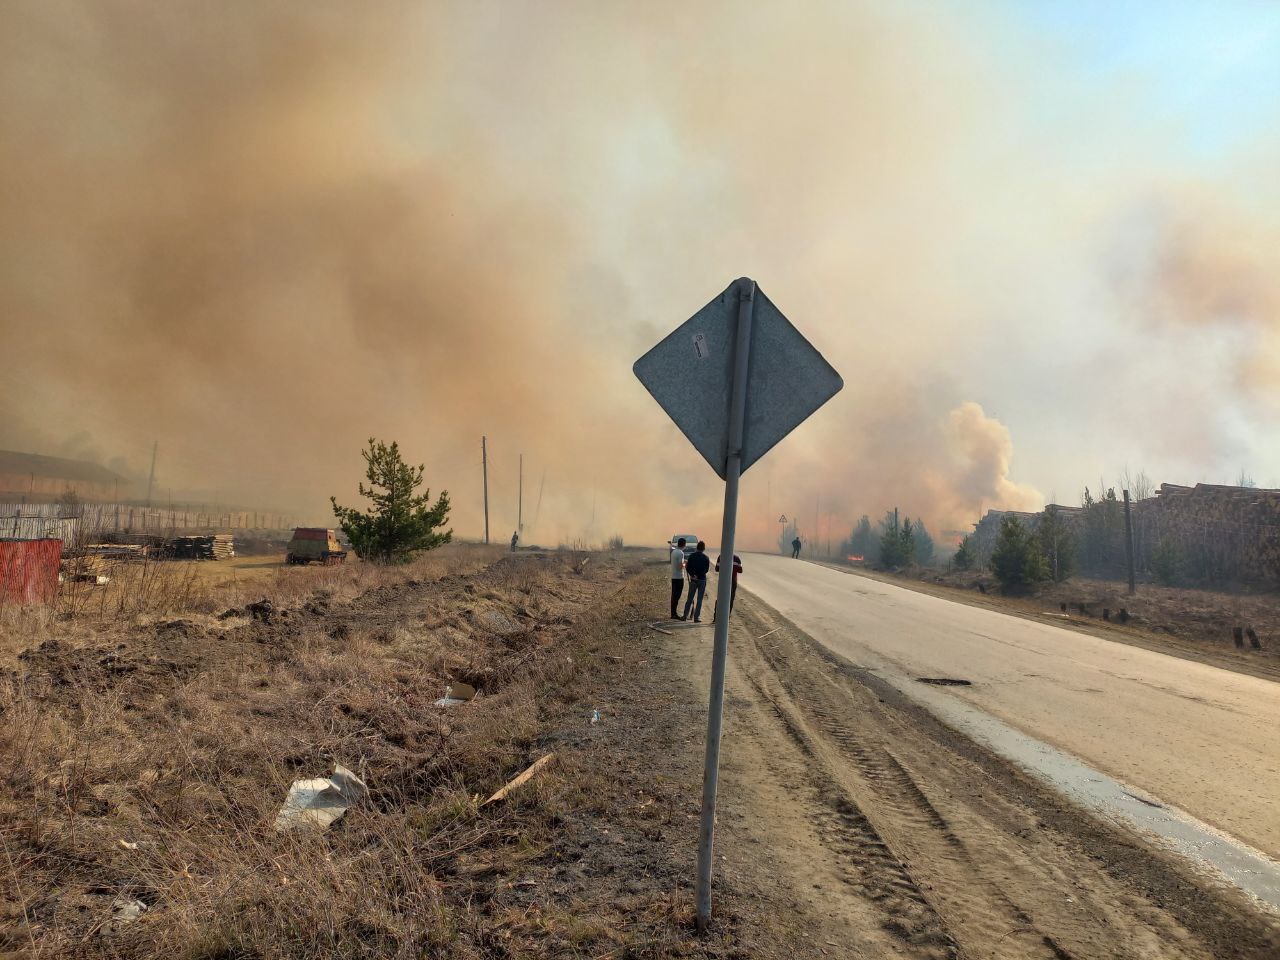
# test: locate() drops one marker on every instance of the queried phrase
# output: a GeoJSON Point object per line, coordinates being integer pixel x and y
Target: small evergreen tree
{"type": "Point", "coordinates": [964, 557]}
{"type": "Point", "coordinates": [907, 543]}
{"type": "Point", "coordinates": [897, 542]}
{"type": "Point", "coordinates": [1016, 560]}
{"type": "Point", "coordinates": [862, 540]}
{"type": "Point", "coordinates": [1168, 562]}
{"type": "Point", "coordinates": [924, 544]}
{"type": "Point", "coordinates": [399, 522]}
{"type": "Point", "coordinates": [1056, 544]}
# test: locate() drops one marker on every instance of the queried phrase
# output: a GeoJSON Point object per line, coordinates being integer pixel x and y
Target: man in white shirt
{"type": "Point", "coordinates": [677, 575]}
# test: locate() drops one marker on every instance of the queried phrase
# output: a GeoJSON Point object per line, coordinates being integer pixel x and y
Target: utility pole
{"type": "Point", "coordinates": [484, 466]}
{"type": "Point", "coordinates": [1128, 544]}
{"type": "Point", "coordinates": [537, 511]}
{"type": "Point", "coordinates": [520, 508]}
{"type": "Point", "coordinates": [152, 479]}
{"type": "Point", "coordinates": [817, 530]}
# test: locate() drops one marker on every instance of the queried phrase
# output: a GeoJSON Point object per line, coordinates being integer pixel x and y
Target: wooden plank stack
{"type": "Point", "coordinates": [1227, 534]}
{"type": "Point", "coordinates": [214, 546]}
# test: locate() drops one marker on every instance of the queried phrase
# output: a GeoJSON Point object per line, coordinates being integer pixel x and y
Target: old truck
{"type": "Point", "coordinates": [314, 545]}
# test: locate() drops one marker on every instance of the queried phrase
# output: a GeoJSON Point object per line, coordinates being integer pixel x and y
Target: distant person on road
{"type": "Point", "coordinates": [795, 548]}
{"type": "Point", "coordinates": [515, 538]}
{"type": "Point", "coordinates": [698, 565]}
{"type": "Point", "coordinates": [677, 575]}
{"type": "Point", "coordinates": [733, 593]}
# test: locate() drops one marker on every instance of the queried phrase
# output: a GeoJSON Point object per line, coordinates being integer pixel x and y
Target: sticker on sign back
{"type": "Point", "coordinates": [700, 346]}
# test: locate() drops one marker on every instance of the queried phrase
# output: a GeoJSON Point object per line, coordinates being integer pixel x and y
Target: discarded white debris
{"type": "Point", "coordinates": [595, 716]}
{"type": "Point", "coordinates": [321, 801]}
{"type": "Point", "coordinates": [521, 780]}
{"type": "Point", "coordinates": [124, 911]}
{"type": "Point", "coordinates": [126, 845]}
{"type": "Point", "coordinates": [456, 694]}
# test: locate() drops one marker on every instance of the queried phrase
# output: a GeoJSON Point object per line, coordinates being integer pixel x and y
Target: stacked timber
{"type": "Point", "coordinates": [214, 546]}
{"type": "Point", "coordinates": [1224, 533]}
{"type": "Point", "coordinates": [118, 551]}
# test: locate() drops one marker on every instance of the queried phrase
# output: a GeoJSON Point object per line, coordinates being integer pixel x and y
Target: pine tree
{"type": "Point", "coordinates": [399, 522]}
{"type": "Point", "coordinates": [964, 558]}
{"type": "Point", "coordinates": [897, 541]}
{"type": "Point", "coordinates": [924, 544]}
{"type": "Point", "coordinates": [862, 540]}
{"type": "Point", "coordinates": [1056, 544]}
{"type": "Point", "coordinates": [1169, 562]}
{"type": "Point", "coordinates": [907, 543]}
{"type": "Point", "coordinates": [1016, 560]}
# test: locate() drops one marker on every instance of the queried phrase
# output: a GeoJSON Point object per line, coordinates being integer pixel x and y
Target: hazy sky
{"type": "Point", "coordinates": [1041, 242]}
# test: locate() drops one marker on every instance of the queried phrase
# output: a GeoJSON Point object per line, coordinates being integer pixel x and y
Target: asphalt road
{"type": "Point", "coordinates": [1202, 738]}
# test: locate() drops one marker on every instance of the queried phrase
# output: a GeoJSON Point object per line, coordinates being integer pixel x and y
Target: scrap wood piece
{"type": "Point", "coordinates": [653, 626]}
{"type": "Point", "coordinates": [536, 767]}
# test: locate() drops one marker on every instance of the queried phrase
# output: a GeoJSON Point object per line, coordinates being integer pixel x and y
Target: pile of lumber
{"type": "Point", "coordinates": [213, 546]}
{"type": "Point", "coordinates": [1226, 533]}
{"type": "Point", "coordinates": [118, 551]}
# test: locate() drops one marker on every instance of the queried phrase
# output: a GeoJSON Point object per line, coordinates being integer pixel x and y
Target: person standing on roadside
{"type": "Point", "coordinates": [795, 548]}
{"type": "Point", "coordinates": [677, 575]}
{"type": "Point", "coordinates": [697, 566]}
{"type": "Point", "coordinates": [733, 593]}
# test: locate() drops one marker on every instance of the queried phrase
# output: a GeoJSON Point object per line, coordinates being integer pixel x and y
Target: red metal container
{"type": "Point", "coordinates": [29, 570]}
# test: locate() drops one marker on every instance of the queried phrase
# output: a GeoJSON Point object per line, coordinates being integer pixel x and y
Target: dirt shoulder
{"type": "Point", "coordinates": [891, 835]}
{"type": "Point", "coordinates": [1191, 624]}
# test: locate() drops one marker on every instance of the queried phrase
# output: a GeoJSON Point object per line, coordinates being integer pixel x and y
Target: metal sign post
{"type": "Point", "coordinates": [736, 378]}
{"type": "Point", "coordinates": [720, 654]}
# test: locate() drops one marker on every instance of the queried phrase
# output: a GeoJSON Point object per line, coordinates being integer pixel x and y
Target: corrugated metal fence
{"type": "Point", "coordinates": [45, 520]}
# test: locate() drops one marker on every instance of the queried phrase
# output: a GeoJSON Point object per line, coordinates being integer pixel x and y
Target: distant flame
{"type": "Point", "coordinates": [855, 558]}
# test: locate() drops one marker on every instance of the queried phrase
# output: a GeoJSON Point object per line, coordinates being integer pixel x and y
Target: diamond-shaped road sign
{"type": "Point", "coordinates": [736, 377]}
{"type": "Point", "coordinates": [690, 374]}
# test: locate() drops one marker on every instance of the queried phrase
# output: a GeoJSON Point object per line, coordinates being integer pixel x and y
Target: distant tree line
{"type": "Point", "coordinates": [893, 544]}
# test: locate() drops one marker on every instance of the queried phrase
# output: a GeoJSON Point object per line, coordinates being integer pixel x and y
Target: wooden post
{"type": "Point", "coordinates": [1128, 544]}
{"type": "Point", "coordinates": [484, 466]}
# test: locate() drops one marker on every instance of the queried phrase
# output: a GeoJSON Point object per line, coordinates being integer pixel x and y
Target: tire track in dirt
{"type": "Point", "coordinates": [975, 907]}
{"type": "Point", "coordinates": [959, 906]}
{"type": "Point", "coordinates": [955, 863]}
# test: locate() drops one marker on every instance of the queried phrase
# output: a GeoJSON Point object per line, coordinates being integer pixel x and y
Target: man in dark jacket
{"type": "Point", "coordinates": [696, 567]}
{"type": "Point", "coordinates": [795, 548]}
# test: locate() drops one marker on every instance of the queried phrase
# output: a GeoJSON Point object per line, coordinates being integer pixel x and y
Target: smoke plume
{"type": "Point", "coordinates": [261, 233]}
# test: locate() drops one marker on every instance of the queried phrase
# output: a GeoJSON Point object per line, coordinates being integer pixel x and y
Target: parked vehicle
{"type": "Point", "coordinates": [315, 544]}
{"type": "Point", "coordinates": [690, 542]}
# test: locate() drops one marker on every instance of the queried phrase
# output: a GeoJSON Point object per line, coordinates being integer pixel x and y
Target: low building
{"type": "Point", "coordinates": [35, 478]}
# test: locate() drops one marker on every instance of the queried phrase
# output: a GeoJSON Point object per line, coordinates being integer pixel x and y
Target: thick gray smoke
{"type": "Point", "coordinates": [261, 233]}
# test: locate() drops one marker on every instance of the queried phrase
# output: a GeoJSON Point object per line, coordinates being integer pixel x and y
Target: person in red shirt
{"type": "Point", "coordinates": [733, 593]}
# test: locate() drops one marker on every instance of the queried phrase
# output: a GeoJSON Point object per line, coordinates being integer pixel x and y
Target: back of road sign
{"type": "Point", "coordinates": [690, 374]}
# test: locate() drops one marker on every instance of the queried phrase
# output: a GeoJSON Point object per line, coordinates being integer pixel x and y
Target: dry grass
{"type": "Point", "coordinates": [143, 591]}
{"type": "Point", "coordinates": [145, 760]}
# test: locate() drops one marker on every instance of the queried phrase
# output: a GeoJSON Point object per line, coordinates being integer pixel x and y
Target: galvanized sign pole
{"type": "Point", "coordinates": [724, 593]}
{"type": "Point", "coordinates": [736, 378]}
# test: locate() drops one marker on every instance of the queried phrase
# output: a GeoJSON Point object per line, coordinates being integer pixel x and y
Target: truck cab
{"type": "Point", "coordinates": [315, 544]}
